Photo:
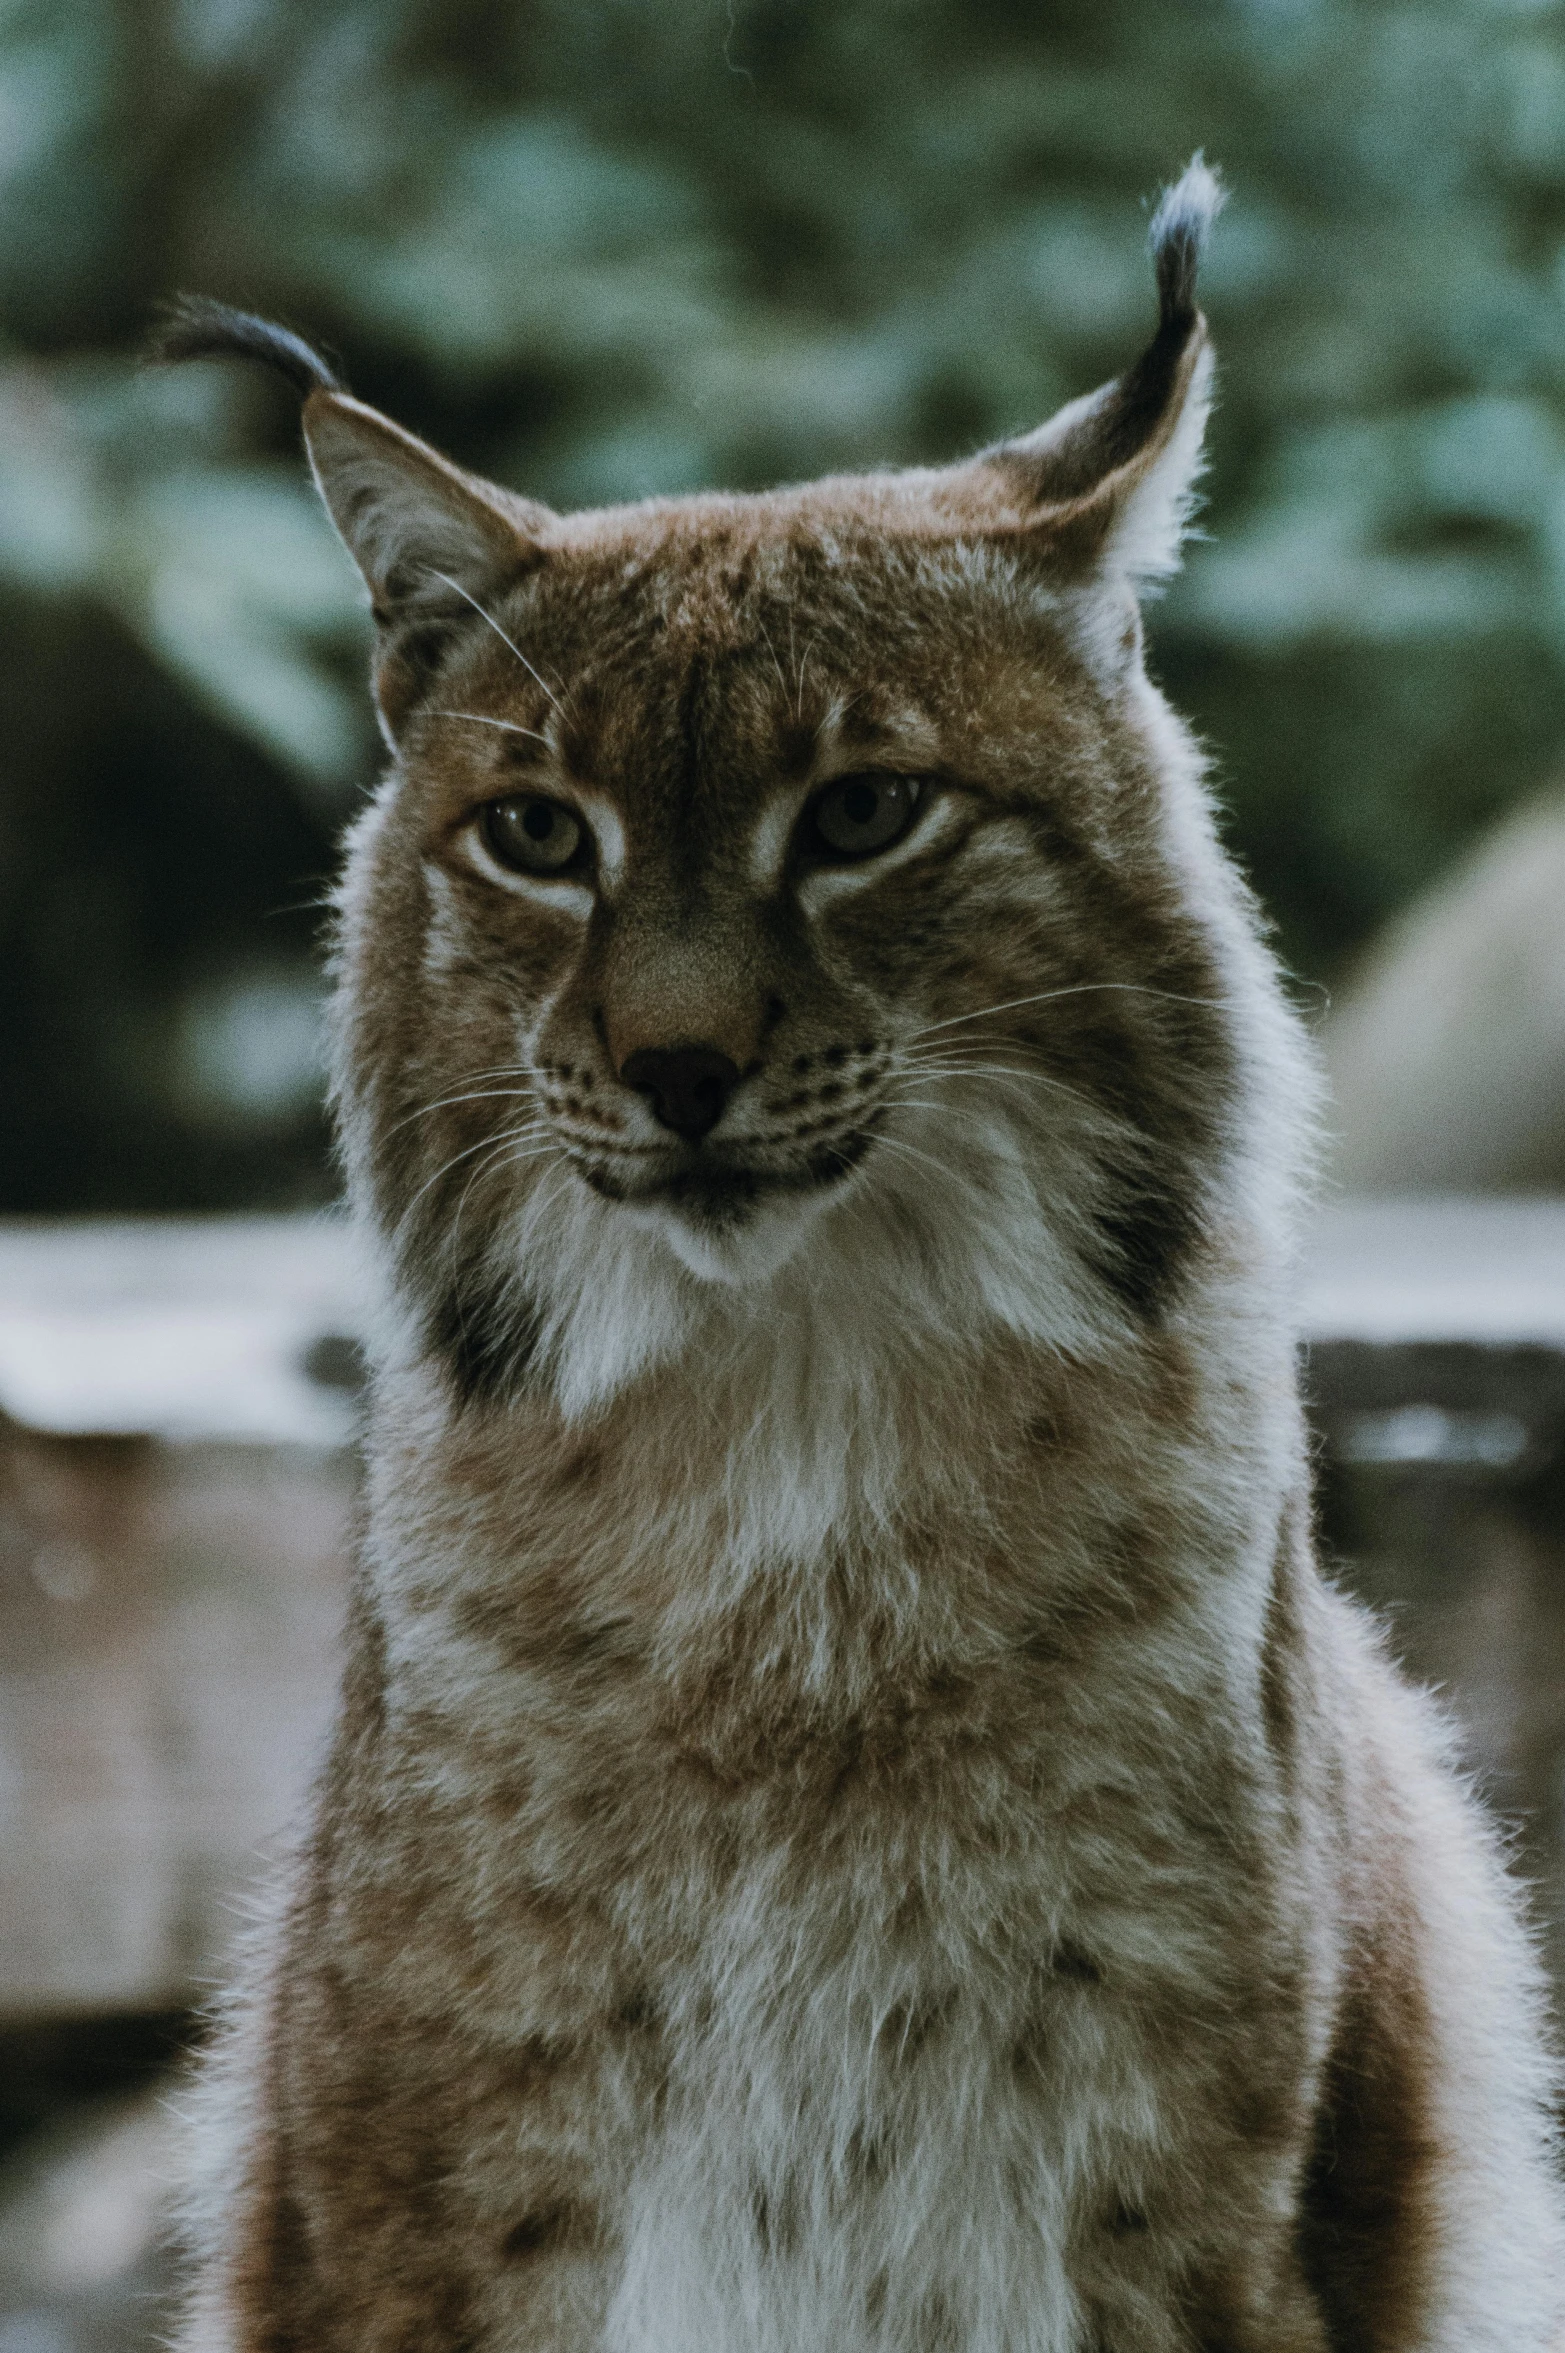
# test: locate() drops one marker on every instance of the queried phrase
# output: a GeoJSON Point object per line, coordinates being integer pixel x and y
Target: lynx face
{"type": "Point", "coordinates": [783, 891]}
{"type": "Point", "coordinates": [802, 868]}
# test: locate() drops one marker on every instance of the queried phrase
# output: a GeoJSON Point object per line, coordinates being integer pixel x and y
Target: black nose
{"type": "Point", "coordinates": [686, 1086]}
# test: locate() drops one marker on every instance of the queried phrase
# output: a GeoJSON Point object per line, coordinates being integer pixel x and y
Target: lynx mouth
{"type": "Point", "coordinates": [725, 1193]}
{"type": "Point", "coordinates": [734, 1221]}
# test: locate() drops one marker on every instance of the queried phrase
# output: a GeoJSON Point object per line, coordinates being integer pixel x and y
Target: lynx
{"type": "Point", "coordinates": [855, 1824]}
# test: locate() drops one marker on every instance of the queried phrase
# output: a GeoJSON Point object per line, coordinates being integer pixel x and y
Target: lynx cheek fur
{"type": "Point", "coordinates": [855, 1825]}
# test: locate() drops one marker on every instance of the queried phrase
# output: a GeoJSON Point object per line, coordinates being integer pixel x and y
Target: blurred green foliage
{"type": "Point", "coordinates": [602, 248]}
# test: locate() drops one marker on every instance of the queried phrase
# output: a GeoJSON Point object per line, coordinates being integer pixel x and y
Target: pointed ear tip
{"type": "Point", "coordinates": [336, 420]}
{"type": "Point", "coordinates": [335, 400]}
{"type": "Point", "coordinates": [333, 424]}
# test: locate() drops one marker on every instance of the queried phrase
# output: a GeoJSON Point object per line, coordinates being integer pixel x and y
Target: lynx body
{"type": "Point", "coordinates": [855, 1825]}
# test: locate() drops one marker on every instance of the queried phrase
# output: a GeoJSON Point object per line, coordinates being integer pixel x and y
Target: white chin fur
{"type": "Point", "coordinates": [752, 1249]}
{"type": "Point", "coordinates": [959, 1225]}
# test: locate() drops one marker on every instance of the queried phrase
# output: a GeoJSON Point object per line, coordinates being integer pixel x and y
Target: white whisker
{"type": "Point", "coordinates": [448, 1102]}
{"type": "Point", "coordinates": [1086, 988]}
{"type": "Point", "coordinates": [915, 1153]}
{"type": "Point", "coordinates": [803, 667]}
{"type": "Point", "coordinates": [506, 726]}
{"type": "Point", "coordinates": [999, 1070]}
{"type": "Point", "coordinates": [484, 1143]}
{"type": "Point", "coordinates": [538, 1208]}
{"type": "Point", "coordinates": [506, 1159]}
{"type": "Point", "coordinates": [504, 640]}
{"type": "Point", "coordinates": [772, 650]}
{"type": "Point", "coordinates": [978, 1069]}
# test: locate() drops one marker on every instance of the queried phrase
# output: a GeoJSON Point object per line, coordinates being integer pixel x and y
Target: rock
{"type": "Point", "coordinates": [1446, 1051]}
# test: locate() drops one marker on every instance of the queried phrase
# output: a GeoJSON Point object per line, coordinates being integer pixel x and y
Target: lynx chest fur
{"type": "Point", "coordinates": [854, 1822]}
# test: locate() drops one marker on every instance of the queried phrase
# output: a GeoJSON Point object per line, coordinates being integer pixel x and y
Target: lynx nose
{"type": "Point", "coordinates": [687, 1086]}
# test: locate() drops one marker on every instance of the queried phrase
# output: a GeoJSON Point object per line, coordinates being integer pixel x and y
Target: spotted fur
{"type": "Point", "coordinates": [855, 1821]}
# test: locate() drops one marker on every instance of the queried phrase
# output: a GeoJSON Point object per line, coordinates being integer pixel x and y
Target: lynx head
{"type": "Point", "coordinates": [782, 906]}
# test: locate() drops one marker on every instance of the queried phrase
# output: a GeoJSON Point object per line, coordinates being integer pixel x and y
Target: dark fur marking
{"type": "Point", "coordinates": [1282, 1643]}
{"type": "Point", "coordinates": [1044, 1646]}
{"type": "Point", "coordinates": [867, 2158]}
{"type": "Point", "coordinates": [1175, 1091]}
{"type": "Point", "coordinates": [1156, 1050]}
{"type": "Point", "coordinates": [1366, 2229]}
{"type": "Point", "coordinates": [776, 2219]}
{"type": "Point", "coordinates": [485, 1335]}
{"type": "Point", "coordinates": [909, 2027]}
{"type": "Point", "coordinates": [724, 1195]}
{"type": "Point", "coordinates": [562, 2224]}
{"type": "Point", "coordinates": [1146, 1242]}
{"type": "Point", "coordinates": [835, 1161]}
{"type": "Point", "coordinates": [582, 1469]}
{"type": "Point", "coordinates": [938, 2331]}
{"type": "Point", "coordinates": [603, 1182]}
{"type": "Point", "coordinates": [1220, 2318]}
{"type": "Point", "coordinates": [529, 1637]}
{"type": "Point", "coordinates": [271, 2278]}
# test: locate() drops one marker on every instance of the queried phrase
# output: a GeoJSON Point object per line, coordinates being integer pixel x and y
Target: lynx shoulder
{"type": "Point", "coordinates": [855, 1822]}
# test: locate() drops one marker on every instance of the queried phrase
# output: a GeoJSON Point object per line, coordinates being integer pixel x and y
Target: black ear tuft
{"type": "Point", "coordinates": [1178, 234]}
{"type": "Point", "coordinates": [195, 327]}
{"type": "Point", "coordinates": [1111, 476]}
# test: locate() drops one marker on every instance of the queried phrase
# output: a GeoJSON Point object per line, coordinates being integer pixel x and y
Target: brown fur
{"type": "Point", "coordinates": [854, 1819]}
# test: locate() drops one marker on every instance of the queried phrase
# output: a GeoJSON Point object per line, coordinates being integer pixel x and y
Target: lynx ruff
{"type": "Point", "coordinates": [855, 1825]}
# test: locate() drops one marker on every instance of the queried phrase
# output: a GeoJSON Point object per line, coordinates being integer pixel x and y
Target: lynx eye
{"type": "Point", "coordinates": [858, 815]}
{"type": "Point", "coordinates": [534, 835]}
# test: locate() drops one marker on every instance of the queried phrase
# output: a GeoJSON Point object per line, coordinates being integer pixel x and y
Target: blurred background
{"type": "Point", "coordinates": [599, 249]}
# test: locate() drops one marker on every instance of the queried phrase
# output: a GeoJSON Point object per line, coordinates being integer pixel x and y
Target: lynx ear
{"type": "Point", "coordinates": [434, 544]}
{"type": "Point", "coordinates": [1110, 480]}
